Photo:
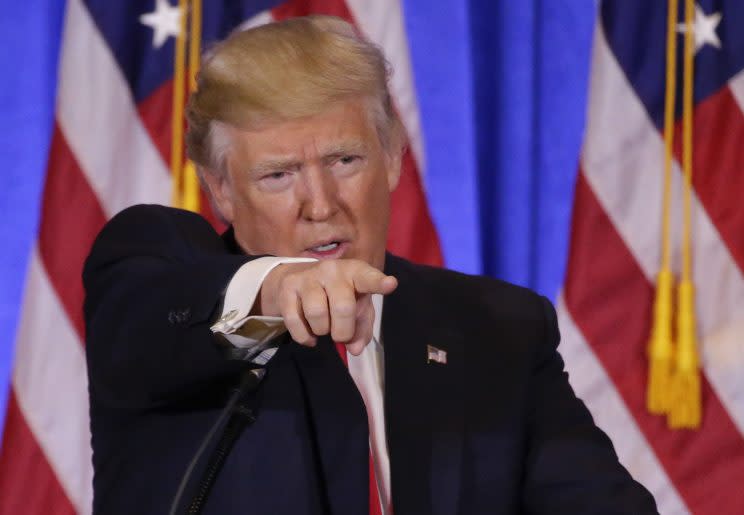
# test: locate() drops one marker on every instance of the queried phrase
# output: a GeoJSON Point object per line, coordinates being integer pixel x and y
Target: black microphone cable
{"type": "Point", "coordinates": [249, 381]}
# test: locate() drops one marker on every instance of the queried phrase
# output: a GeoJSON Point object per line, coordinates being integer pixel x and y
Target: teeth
{"type": "Point", "coordinates": [326, 248]}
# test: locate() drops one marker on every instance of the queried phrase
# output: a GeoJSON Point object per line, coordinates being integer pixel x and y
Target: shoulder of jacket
{"type": "Point", "coordinates": [464, 287]}
{"type": "Point", "coordinates": [155, 214]}
{"type": "Point", "coordinates": [153, 230]}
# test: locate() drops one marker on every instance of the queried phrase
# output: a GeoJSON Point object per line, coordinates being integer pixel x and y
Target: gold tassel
{"type": "Point", "coordinates": [660, 345]}
{"type": "Point", "coordinates": [686, 406]}
{"type": "Point", "coordinates": [660, 348]}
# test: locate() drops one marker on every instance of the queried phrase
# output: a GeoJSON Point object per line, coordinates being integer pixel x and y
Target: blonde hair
{"type": "Point", "coordinates": [283, 71]}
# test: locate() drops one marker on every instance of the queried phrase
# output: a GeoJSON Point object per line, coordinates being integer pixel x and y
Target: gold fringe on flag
{"type": "Point", "coordinates": [660, 347]}
{"type": "Point", "coordinates": [685, 410]}
{"type": "Point", "coordinates": [674, 375]}
{"type": "Point", "coordinates": [185, 181]}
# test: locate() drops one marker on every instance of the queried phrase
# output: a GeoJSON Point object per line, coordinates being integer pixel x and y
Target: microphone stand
{"type": "Point", "coordinates": [249, 382]}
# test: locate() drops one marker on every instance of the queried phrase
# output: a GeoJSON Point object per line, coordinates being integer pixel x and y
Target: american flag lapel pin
{"type": "Point", "coordinates": [436, 355]}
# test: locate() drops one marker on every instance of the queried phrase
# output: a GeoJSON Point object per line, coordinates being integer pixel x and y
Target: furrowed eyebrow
{"type": "Point", "coordinates": [274, 165]}
{"type": "Point", "coordinates": [334, 150]}
{"type": "Point", "coordinates": [351, 147]}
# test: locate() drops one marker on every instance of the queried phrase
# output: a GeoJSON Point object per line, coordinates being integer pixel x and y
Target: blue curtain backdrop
{"type": "Point", "coordinates": [502, 93]}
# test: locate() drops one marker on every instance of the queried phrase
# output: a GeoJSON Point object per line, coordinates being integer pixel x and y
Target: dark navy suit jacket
{"type": "Point", "coordinates": [495, 430]}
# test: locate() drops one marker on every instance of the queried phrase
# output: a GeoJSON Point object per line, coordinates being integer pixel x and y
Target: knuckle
{"type": "Point", "coordinates": [359, 268]}
{"type": "Point", "coordinates": [293, 319]}
{"type": "Point", "coordinates": [289, 282]}
{"type": "Point", "coordinates": [342, 334]}
{"type": "Point", "coordinates": [304, 339]}
{"type": "Point", "coordinates": [328, 266]}
{"type": "Point", "coordinates": [344, 308]}
{"type": "Point", "coordinates": [297, 331]}
{"type": "Point", "coordinates": [286, 296]}
{"type": "Point", "coordinates": [364, 335]}
{"type": "Point", "coordinates": [315, 310]}
{"type": "Point", "coordinates": [372, 273]}
{"type": "Point", "coordinates": [365, 328]}
{"type": "Point", "coordinates": [287, 307]}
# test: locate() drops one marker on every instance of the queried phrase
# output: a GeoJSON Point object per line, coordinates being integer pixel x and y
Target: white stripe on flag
{"type": "Point", "coordinates": [592, 384]}
{"type": "Point", "coordinates": [382, 22]}
{"type": "Point", "coordinates": [736, 85]}
{"type": "Point", "coordinates": [259, 19]}
{"type": "Point", "coordinates": [623, 163]}
{"type": "Point", "coordinates": [98, 117]}
{"type": "Point", "coordinates": [51, 386]}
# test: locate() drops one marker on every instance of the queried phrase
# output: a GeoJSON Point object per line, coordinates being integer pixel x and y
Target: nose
{"type": "Point", "coordinates": [319, 203]}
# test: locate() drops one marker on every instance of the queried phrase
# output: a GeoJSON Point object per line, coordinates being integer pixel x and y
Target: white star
{"type": "Point", "coordinates": [704, 29]}
{"type": "Point", "coordinates": [165, 21]}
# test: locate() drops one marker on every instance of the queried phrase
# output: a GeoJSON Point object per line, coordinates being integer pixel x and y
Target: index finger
{"type": "Point", "coordinates": [371, 280]}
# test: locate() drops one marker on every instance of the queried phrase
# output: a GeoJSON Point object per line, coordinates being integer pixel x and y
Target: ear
{"type": "Point", "coordinates": [395, 154]}
{"type": "Point", "coordinates": [220, 191]}
{"type": "Point", "coordinates": [394, 163]}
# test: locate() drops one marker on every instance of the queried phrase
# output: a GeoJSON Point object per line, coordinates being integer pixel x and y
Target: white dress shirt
{"type": "Point", "coordinates": [252, 334]}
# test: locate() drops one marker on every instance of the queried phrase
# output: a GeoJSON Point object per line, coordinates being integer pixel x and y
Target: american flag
{"type": "Point", "coordinates": [110, 149]}
{"type": "Point", "coordinates": [606, 304]}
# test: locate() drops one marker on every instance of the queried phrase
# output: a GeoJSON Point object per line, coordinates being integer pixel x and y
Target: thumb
{"type": "Point", "coordinates": [371, 280]}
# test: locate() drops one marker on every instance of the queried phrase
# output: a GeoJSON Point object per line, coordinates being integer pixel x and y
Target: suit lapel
{"type": "Point", "coordinates": [338, 419]}
{"type": "Point", "coordinates": [424, 402]}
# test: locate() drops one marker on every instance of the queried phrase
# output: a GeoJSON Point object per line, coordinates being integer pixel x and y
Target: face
{"type": "Point", "coordinates": [317, 186]}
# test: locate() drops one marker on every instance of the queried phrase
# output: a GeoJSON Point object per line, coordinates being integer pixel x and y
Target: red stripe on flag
{"type": "Point", "coordinates": [70, 219]}
{"type": "Point", "coordinates": [27, 482]}
{"type": "Point", "coordinates": [412, 234]}
{"type": "Point", "coordinates": [156, 113]}
{"type": "Point", "coordinates": [717, 166]}
{"type": "Point", "coordinates": [306, 7]}
{"type": "Point", "coordinates": [610, 300]}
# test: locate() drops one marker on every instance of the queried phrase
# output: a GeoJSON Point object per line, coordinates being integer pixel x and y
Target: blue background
{"type": "Point", "coordinates": [502, 93]}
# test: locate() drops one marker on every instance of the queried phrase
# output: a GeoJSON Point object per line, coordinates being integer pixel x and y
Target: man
{"type": "Point", "coordinates": [454, 399]}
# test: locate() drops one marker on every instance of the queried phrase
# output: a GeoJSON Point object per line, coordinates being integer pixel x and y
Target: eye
{"type": "Point", "coordinates": [346, 164]}
{"type": "Point", "coordinates": [276, 181]}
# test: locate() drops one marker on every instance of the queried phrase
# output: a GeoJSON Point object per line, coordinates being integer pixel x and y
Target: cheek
{"type": "Point", "coordinates": [373, 200]}
{"type": "Point", "coordinates": [265, 224]}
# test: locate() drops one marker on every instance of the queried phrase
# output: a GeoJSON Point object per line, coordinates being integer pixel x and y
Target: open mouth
{"type": "Point", "coordinates": [331, 250]}
{"type": "Point", "coordinates": [326, 248]}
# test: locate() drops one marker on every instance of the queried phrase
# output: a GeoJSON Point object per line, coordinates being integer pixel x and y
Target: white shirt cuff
{"type": "Point", "coordinates": [240, 329]}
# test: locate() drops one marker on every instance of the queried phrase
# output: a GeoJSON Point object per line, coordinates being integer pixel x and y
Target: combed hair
{"type": "Point", "coordinates": [283, 71]}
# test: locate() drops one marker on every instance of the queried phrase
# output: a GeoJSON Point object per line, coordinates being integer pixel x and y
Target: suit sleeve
{"type": "Point", "coordinates": [571, 464]}
{"type": "Point", "coordinates": [153, 282]}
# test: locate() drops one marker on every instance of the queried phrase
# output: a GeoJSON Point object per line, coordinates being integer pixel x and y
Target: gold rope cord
{"type": "Point", "coordinates": [674, 377]}
{"type": "Point", "coordinates": [686, 406]}
{"type": "Point", "coordinates": [660, 347]}
{"type": "Point", "coordinates": [177, 111]}
{"type": "Point", "coordinates": [185, 182]}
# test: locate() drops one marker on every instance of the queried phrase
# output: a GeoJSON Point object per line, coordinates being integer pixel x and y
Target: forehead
{"type": "Point", "coordinates": [344, 124]}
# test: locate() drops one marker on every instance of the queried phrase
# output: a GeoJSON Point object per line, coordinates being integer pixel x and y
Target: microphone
{"type": "Point", "coordinates": [249, 382]}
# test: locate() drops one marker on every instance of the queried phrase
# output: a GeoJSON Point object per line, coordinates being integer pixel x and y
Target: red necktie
{"type": "Point", "coordinates": [374, 497]}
